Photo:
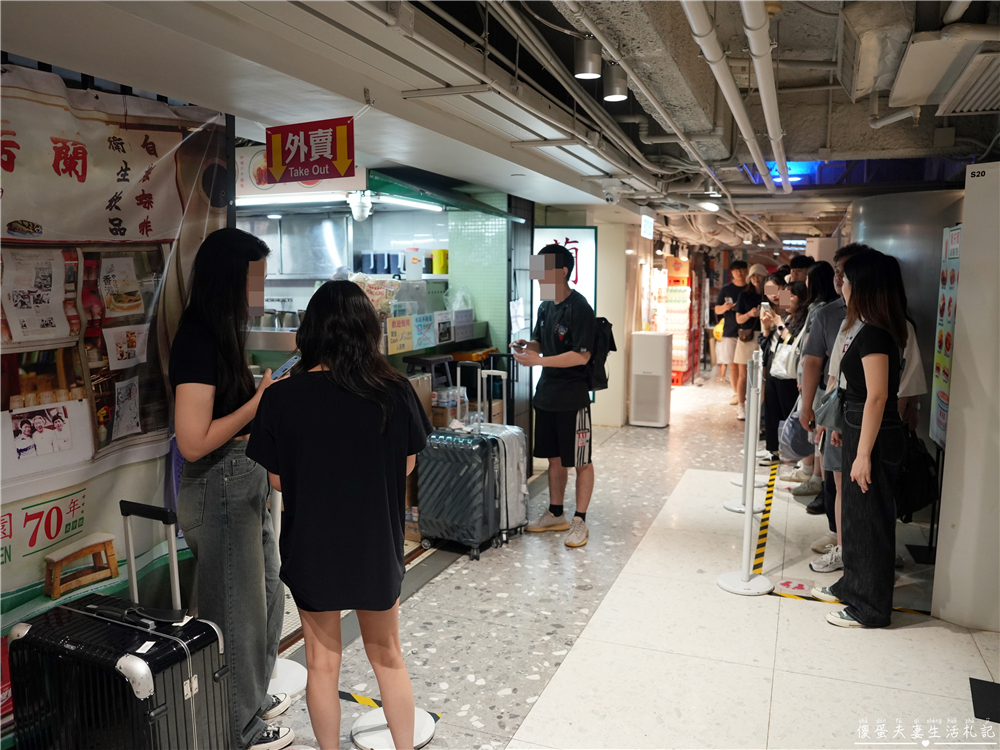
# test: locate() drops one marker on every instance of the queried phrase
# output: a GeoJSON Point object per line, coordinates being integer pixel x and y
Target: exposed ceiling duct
{"type": "Point", "coordinates": [873, 40]}
{"type": "Point", "coordinates": [977, 90]}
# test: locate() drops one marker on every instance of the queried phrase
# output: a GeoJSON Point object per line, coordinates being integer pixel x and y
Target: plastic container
{"type": "Point", "coordinates": [440, 263]}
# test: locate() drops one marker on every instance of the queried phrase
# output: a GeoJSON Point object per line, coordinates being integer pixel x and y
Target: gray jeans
{"type": "Point", "coordinates": [222, 508]}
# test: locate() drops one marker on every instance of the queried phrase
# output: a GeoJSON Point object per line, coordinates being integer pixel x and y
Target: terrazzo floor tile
{"type": "Point", "coordinates": [989, 646]}
{"type": "Point", "coordinates": [687, 555]}
{"type": "Point", "coordinates": [611, 696]}
{"type": "Point", "coordinates": [480, 676]}
{"type": "Point", "coordinates": [522, 745]}
{"type": "Point", "coordinates": [684, 617]}
{"type": "Point", "coordinates": [842, 709]}
{"type": "Point", "coordinates": [915, 653]}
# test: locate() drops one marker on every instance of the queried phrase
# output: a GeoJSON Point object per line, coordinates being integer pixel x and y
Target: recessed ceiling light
{"type": "Point", "coordinates": [274, 216]}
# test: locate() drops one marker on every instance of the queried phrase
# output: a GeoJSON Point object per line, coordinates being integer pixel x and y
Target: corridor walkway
{"type": "Point", "coordinates": [629, 643]}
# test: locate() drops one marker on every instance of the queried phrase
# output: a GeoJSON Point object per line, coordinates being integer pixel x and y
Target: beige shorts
{"type": "Point", "coordinates": [725, 348]}
{"type": "Point", "coordinates": [744, 351]}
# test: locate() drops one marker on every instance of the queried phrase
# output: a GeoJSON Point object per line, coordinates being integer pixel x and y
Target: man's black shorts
{"type": "Point", "coordinates": [565, 435]}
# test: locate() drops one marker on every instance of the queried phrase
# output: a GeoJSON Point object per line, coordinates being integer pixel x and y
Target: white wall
{"type": "Point", "coordinates": [609, 405]}
{"type": "Point", "coordinates": [968, 554]}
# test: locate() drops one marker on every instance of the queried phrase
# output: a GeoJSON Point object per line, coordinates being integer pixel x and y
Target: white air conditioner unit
{"type": "Point", "coordinates": [977, 90]}
{"type": "Point", "coordinates": [652, 365]}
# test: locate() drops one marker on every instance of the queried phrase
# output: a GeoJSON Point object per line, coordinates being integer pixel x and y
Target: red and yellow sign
{"type": "Point", "coordinates": [319, 150]}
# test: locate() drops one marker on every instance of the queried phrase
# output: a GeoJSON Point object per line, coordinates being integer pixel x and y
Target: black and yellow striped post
{"type": "Point", "coordinates": [364, 700]}
{"type": "Point", "coordinates": [765, 522]}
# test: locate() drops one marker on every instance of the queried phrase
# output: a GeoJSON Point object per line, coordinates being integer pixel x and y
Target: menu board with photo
{"type": "Point", "coordinates": [34, 288]}
{"type": "Point", "coordinates": [944, 335]}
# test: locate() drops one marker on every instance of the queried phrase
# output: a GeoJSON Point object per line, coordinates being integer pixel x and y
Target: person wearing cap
{"type": "Point", "coordinates": [748, 319]}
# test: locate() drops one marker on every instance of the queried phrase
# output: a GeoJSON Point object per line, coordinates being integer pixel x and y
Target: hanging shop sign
{"type": "Point", "coordinates": [318, 150]}
{"type": "Point", "coordinates": [944, 335]}
{"type": "Point", "coordinates": [252, 179]}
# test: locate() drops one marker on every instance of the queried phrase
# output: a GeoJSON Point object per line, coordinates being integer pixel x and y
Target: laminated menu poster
{"type": "Point", "coordinates": [120, 288]}
{"type": "Point", "coordinates": [443, 320]}
{"type": "Point", "coordinates": [400, 334]}
{"type": "Point", "coordinates": [423, 331]}
{"type": "Point", "coordinates": [944, 335]}
{"type": "Point", "coordinates": [463, 325]}
{"type": "Point", "coordinates": [126, 345]}
{"type": "Point", "coordinates": [126, 409]}
{"type": "Point", "coordinates": [34, 287]}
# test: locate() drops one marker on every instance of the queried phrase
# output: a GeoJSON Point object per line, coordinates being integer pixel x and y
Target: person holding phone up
{"type": "Point", "coordinates": [222, 503]}
{"type": "Point", "coordinates": [748, 320]}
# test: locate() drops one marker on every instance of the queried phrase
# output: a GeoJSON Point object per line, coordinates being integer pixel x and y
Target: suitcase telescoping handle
{"type": "Point", "coordinates": [169, 519]}
{"type": "Point", "coordinates": [484, 376]}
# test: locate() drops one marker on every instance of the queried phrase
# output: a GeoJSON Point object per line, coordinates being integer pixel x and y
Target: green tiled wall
{"type": "Point", "coordinates": [477, 259]}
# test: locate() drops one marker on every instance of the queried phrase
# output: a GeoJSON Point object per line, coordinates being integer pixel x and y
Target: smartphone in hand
{"type": "Point", "coordinates": [283, 370]}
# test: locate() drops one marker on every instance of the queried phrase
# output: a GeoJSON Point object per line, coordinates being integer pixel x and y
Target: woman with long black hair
{"type": "Point", "coordinates": [780, 394]}
{"type": "Point", "coordinates": [338, 438]}
{"type": "Point", "coordinates": [222, 503]}
{"type": "Point", "coordinates": [873, 438]}
{"type": "Point", "coordinates": [748, 319]}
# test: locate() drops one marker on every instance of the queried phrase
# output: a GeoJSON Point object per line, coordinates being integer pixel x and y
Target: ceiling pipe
{"type": "Point", "coordinates": [877, 122]}
{"type": "Point", "coordinates": [803, 89]}
{"type": "Point", "coordinates": [795, 64]}
{"type": "Point", "coordinates": [955, 11]}
{"type": "Point", "coordinates": [651, 140]}
{"type": "Point", "coordinates": [757, 25]}
{"type": "Point", "coordinates": [703, 28]}
{"type": "Point", "coordinates": [581, 15]}
{"type": "Point", "coordinates": [971, 32]}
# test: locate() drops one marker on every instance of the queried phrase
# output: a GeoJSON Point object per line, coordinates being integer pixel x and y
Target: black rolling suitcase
{"type": "Point", "coordinates": [458, 483]}
{"type": "Point", "coordinates": [102, 673]}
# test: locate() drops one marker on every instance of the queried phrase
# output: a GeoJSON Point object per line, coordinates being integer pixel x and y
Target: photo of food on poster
{"type": "Point", "coordinates": [126, 345]}
{"type": "Point", "coordinates": [126, 409]}
{"type": "Point", "coordinates": [39, 431]}
{"type": "Point", "coordinates": [944, 334]}
{"type": "Point", "coordinates": [34, 286]}
{"type": "Point", "coordinates": [120, 288]}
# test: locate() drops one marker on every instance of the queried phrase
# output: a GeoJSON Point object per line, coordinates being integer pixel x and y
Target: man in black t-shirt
{"type": "Point", "coordinates": [725, 306]}
{"type": "Point", "coordinates": [561, 343]}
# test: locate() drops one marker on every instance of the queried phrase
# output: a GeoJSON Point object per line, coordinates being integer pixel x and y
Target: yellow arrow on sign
{"type": "Point", "coordinates": [278, 168]}
{"type": "Point", "coordinates": [342, 163]}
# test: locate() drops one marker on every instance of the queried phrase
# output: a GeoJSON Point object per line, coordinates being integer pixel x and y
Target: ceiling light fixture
{"type": "Point", "coordinates": [630, 252]}
{"type": "Point", "coordinates": [747, 241]}
{"type": "Point", "coordinates": [274, 216]}
{"type": "Point", "coordinates": [615, 83]}
{"type": "Point", "coordinates": [274, 200]}
{"type": "Point", "coordinates": [660, 251]}
{"type": "Point", "coordinates": [587, 58]}
{"type": "Point", "coordinates": [715, 194]}
{"type": "Point", "coordinates": [708, 205]}
{"type": "Point", "coordinates": [408, 203]}
{"type": "Point", "coordinates": [760, 244]}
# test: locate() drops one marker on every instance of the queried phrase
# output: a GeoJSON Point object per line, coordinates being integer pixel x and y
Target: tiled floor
{"type": "Point", "coordinates": [629, 643]}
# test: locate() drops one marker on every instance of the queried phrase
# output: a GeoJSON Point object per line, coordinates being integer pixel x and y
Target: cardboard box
{"type": "Point", "coordinates": [441, 416]}
{"type": "Point", "coordinates": [411, 531]}
{"type": "Point", "coordinates": [423, 385]}
{"type": "Point", "coordinates": [495, 415]}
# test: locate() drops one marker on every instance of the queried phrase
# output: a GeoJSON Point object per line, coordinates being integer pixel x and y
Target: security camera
{"type": "Point", "coordinates": [612, 191]}
{"type": "Point", "coordinates": [360, 202]}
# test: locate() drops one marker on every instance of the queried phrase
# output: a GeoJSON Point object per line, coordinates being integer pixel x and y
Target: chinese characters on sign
{"type": "Point", "coordinates": [923, 732]}
{"type": "Point", "coordinates": [41, 526]}
{"type": "Point", "coordinates": [400, 334]}
{"type": "Point", "coordinates": [311, 151]}
{"type": "Point", "coordinates": [33, 293]}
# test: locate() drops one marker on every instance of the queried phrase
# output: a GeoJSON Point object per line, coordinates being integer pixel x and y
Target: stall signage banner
{"type": "Point", "coordinates": [400, 334]}
{"type": "Point", "coordinates": [944, 335]}
{"type": "Point", "coordinates": [463, 325]}
{"type": "Point", "coordinates": [423, 331]}
{"type": "Point", "coordinates": [318, 150]}
{"type": "Point", "coordinates": [73, 173]}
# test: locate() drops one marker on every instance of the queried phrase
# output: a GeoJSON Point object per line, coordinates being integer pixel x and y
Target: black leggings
{"type": "Point", "coordinates": [779, 398]}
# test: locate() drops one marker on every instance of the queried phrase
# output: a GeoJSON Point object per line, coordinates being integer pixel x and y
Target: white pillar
{"type": "Point", "coordinates": [968, 553]}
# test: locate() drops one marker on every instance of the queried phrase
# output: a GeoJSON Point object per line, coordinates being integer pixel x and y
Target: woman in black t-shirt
{"type": "Point", "coordinates": [873, 440]}
{"type": "Point", "coordinates": [222, 503]}
{"type": "Point", "coordinates": [748, 319]}
{"type": "Point", "coordinates": [338, 438]}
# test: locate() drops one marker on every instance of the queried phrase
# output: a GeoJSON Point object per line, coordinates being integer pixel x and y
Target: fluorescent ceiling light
{"type": "Point", "coordinates": [708, 205]}
{"type": "Point", "coordinates": [760, 244]}
{"type": "Point", "coordinates": [287, 198]}
{"type": "Point", "coordinates": [747, 242]}
{"type": "Point", "coordinates": [799, 243]}
{"type": "Point", "coordinates": [791, 178]}
{"type": "Point", "coordinates": [630, 252]}
{"type": "Point", "coordinates": [405, 202]}
{"type": "Point", "coordinates": [274, 216]}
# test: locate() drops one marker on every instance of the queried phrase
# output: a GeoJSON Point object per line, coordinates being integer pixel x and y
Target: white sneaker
{"type": "Point", "coordinates": [823, 544]}
{"type": "Point", "coordinates": [741, 413]}
{"type": "Point", "coordinates": [831, 562]}
{"type": "Point", "coordinates": [274, 738]}
{"type": "Point", "coordinates": [809, 488]}
{"type": "Point", "coordinates": [801, 474]}
{"type": "Point", "coordinates": [578, 533]}
{"type": "Point", "coordinates": [734, 400]}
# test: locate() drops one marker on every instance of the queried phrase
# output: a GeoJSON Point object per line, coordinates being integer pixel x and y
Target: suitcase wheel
{"type": "Point", "coordinates": [502, 539]}
{"type": "Point", "coordinates": [425, 543]}
{"type": "Point", "coordinates": [474, 553]}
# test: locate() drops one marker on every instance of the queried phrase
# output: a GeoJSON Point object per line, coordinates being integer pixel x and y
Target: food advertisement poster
{"type": "Point", "coordinates": [400, 334]}
{"type": "Point", "coordinates": [126, 345]}
{"type": "Point", "coordinates": [120, 288]}
{"type": "Point", "coordinates": [944, 335]}
{"type": "Point", "coordinates": [423, 331]}
{"type": "Point", "coordinates": [126, 409]}
{"type": "Point", "coordinates": [34, 286]}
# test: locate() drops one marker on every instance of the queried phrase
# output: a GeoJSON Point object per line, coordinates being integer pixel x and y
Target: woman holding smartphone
{"type": "Point", "coordinates": [748, 319]}
{"type": "Point", "coordinates": [873, 440]}
{"type": "Point", "coordinates": [338, 438]}
{"type": "Point", "coordinates": [222, 503]}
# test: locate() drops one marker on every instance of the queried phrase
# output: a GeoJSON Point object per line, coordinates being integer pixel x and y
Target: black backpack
{"type": "Point", "coordinates": [917, 486]}
{"type": "Point", "coordinates": [604, 344]}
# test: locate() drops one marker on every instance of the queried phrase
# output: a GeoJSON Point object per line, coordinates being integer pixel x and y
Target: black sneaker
{"type": "Point", "coordinates": [817, 507]}
{"type": "Point", "coordinates": [770, 460]}
{"type": "Point", "coordinates": [274, 738]}
{"type": "Point", "coordinates": [280, 702]}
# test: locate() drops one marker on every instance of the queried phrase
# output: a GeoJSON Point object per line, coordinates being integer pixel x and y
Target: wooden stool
{"type": "Point", "coordinates": [94, 545]}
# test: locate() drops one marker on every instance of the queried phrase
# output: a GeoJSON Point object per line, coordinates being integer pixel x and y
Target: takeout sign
{"type": "Point", "coordinates": [318, 150]}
